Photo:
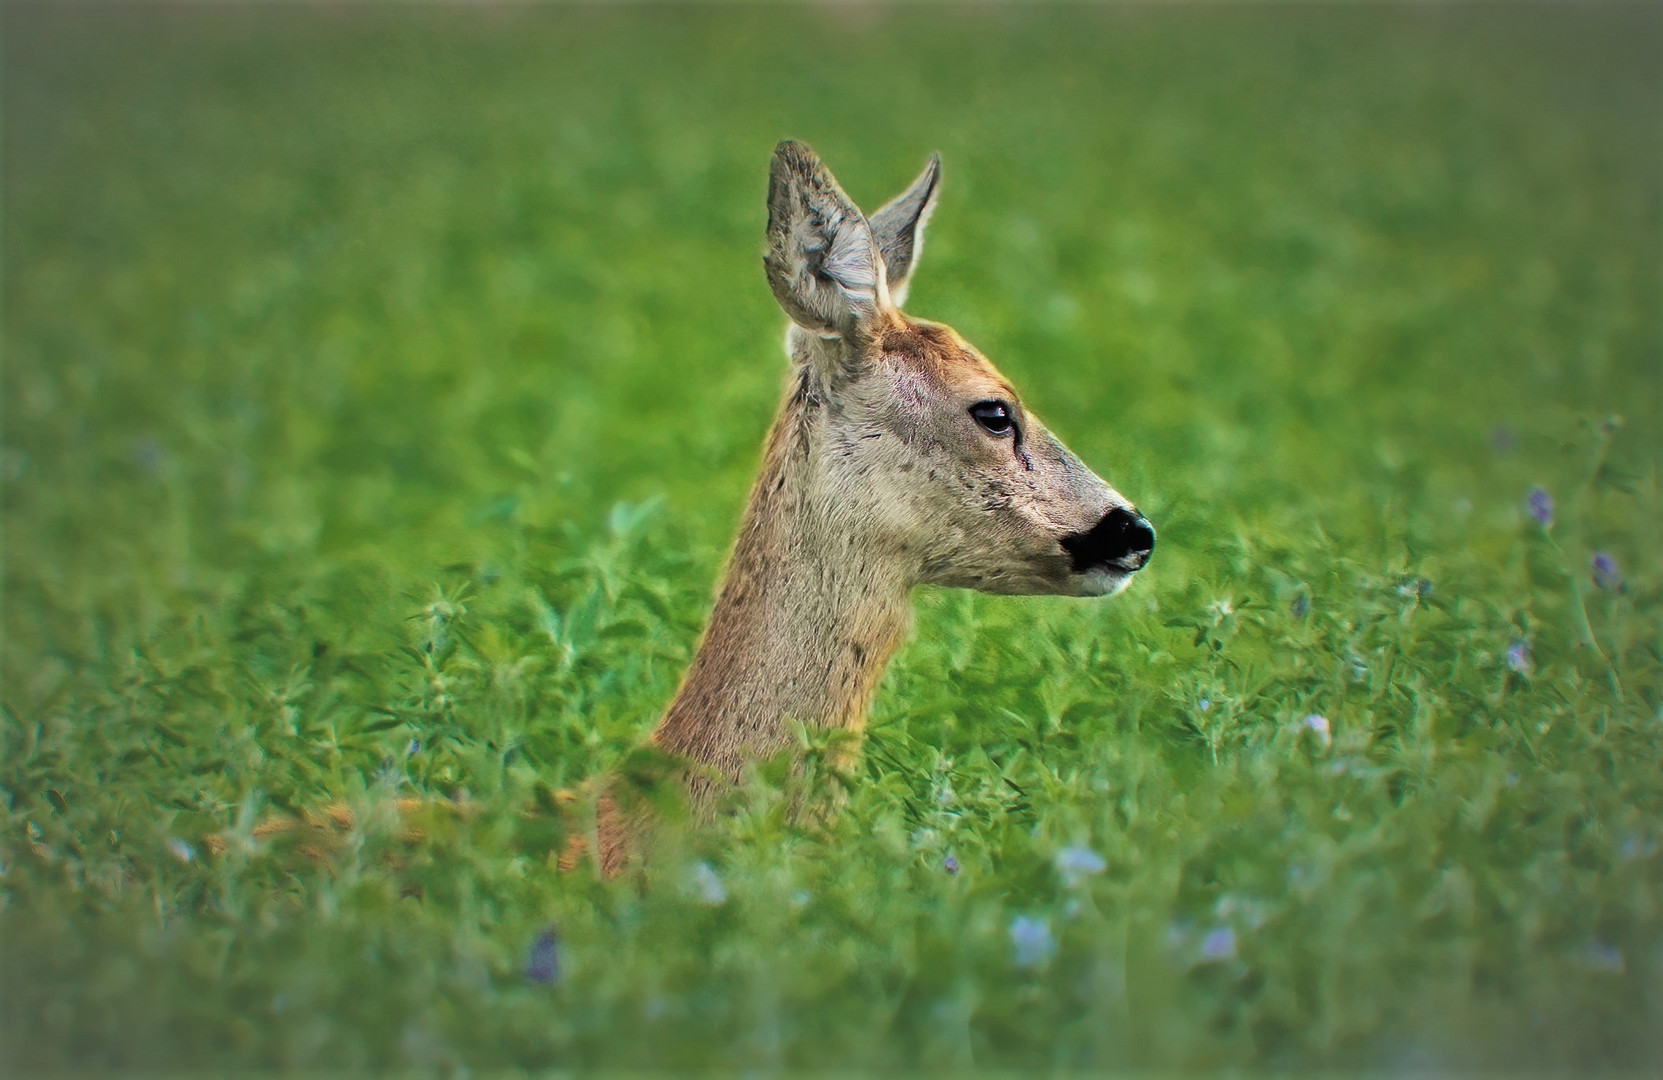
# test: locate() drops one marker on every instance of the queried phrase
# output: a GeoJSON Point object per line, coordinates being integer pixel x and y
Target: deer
{"type": "Point", "coordinates": [899, 457]}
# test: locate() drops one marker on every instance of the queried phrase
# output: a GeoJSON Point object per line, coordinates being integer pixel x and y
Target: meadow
{"type": "Point", "coordinates": [381, 389]}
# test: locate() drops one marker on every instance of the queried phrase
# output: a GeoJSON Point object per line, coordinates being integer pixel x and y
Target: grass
{"type": "Point", "coordinates": [381, 388]}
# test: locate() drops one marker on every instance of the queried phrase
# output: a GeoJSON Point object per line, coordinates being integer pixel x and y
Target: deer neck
{"type": "Point", "coordinates": [807, 617]}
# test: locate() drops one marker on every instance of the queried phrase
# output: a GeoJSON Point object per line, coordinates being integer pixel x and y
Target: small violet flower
{"type": "Point", "coordinates": [414, 748]}
{"type": "Point", "coordinates": [1636, 846]}
{"type": "Point", "coordinates": [1317, 724]}
{"type": "Point", "coordinates": [1417, 587]}
{"type": "Point", "coordinates": [1518, 657]}
{"type": "Point", "coordinates": [148, 454]}
{"type": "Point", "coordinates": [1300, 607]}
{"type": "Point", "coordinates": [1602, 957]}
{"type": "Point", "coordinates": [1607, 574]}
{"type": "Point", "coordinates": [709, 886]}
{"type": "Point", "coordinates": [1219, 945]}
{"type": "Point", "coordinates": [542, 963]}
{"type": "Point", "coordinates": [1540, 505]}
{"type": "Point", "coordinates": [950, 864]}
{"type": "Point", "coordinates": [1077, 863]}
{"type": "Point", "coordinates": [1032, 941]}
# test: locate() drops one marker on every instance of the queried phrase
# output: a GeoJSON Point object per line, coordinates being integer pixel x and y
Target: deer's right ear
{"type": "Point", "coordinates": [822, 261]}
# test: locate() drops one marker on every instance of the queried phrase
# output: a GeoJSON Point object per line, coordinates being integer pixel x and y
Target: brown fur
{"type": "Point", "coordinates": [874, 479]}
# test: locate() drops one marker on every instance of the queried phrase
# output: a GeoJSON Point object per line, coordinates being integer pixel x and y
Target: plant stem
{"type": "Point", "coordinates": [1581, 610]}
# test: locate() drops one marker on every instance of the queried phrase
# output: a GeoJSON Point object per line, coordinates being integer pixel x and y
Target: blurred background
{"type": "Point", "coordinates": [302, 277]}
{"type": "Point", "coordinates": [316, 313]}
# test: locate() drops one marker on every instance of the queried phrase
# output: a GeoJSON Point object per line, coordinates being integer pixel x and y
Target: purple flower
{"type": "Point", "coordinates": [1419, 586]}
{"type": "Point", "coordinates": [1075, 864]}
{"type": "Point", "coordinates": [708, 885]}
{"type": "Point", "coordinates": [1317, 724]}
{"type": "Point", "coordinates": [1607, 574]}
{"type": "Point", "coordinates": [414, 748]}
{"type": "Point", "coordinates": [542, 962]}
{"type": "Point", "coordinates": [1518, 657]}
{"type": "Point", "coordinates": [950, 864]}
{"type": "Point", "coordinates": [1032, 941]}
{"type": "Point", "coordinates": [1637, 846]}
{"type": "Point", "coordinates": [1300, 607]}
{"type": "Point", "coordinates": [1218, 945]}
{"type": "Point", "coordinates": [1540, 505]}
{"type": "Point", "coordinates": [1602, 957]}
{"type": "Point", "coordinates": [148, 454]}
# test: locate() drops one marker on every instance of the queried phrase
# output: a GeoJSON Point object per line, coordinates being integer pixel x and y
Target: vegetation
{"type": "Point", "coordinates": [381, 388]}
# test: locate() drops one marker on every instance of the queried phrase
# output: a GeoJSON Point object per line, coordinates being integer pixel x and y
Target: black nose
{"type": "Point", "coordinates": [1122, 539]}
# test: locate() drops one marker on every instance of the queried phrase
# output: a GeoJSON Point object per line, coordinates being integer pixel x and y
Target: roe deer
{"type": "Point", "coordinates": [899, 457]}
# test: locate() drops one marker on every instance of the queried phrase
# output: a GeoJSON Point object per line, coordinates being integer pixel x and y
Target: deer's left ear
{"type": "Point", "coordinates": [899, 228]}
{"type": "Point", "coordinates": [822, 261]}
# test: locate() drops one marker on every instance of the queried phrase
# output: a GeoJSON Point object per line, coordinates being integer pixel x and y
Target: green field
{"type": "Point", "coordinates": [382, 386]}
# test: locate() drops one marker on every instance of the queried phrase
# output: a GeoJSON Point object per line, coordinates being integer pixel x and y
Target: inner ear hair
{"type": "Point", "coordinates": [822, 262]}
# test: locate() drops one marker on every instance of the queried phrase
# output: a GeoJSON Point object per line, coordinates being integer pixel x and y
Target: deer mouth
{"type": "Point", "coordinates": [1104, 581]}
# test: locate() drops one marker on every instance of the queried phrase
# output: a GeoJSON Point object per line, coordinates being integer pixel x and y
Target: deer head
{"type": "Point", "coordinates": [899, 457]}
{"type": "Point", "coordinates": [926, 453]}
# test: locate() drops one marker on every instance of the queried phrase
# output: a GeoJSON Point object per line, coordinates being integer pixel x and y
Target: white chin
{"type": "Point", "coordinates": [1104, 582]}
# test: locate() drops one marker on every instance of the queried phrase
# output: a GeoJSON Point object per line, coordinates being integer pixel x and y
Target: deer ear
{"type": "Point", "coordinates": [899, 228]}
{"type": "Point", "coordinates": [822, 261]}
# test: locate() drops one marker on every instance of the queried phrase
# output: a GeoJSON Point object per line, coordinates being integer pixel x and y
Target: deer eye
{"type": "Point", "coordinates": [994, 416]}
